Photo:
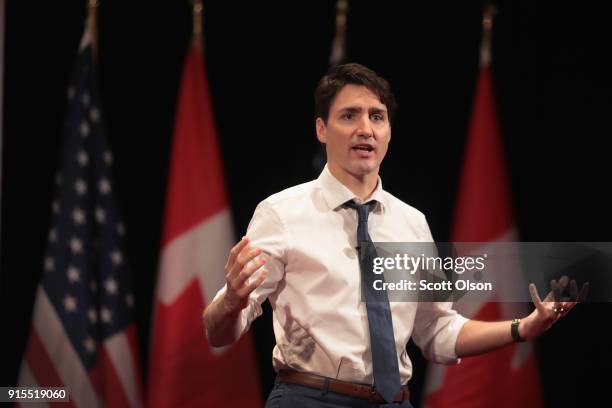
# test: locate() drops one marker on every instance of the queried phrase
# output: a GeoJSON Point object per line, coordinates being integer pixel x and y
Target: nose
{"type": "Point", "coordinates": [364, 128]}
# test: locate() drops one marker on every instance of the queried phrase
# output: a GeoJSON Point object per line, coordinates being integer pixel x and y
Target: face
{"type": "Point", "coordinates": [357, 132]}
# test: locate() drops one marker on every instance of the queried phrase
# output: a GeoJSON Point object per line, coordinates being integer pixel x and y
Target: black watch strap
{"type": "Point", "coordinates": [514, 331]}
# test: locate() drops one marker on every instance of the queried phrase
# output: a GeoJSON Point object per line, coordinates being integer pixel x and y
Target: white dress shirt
{"type": "Point", "coordinates": [309, 241]}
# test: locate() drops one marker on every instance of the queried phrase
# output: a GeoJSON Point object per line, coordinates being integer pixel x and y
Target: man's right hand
{"type": "Point", "coordinates": [242, 263]}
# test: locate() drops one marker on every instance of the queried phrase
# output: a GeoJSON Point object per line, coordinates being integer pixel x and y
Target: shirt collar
{"type": "Point", "coordinates": [335, 193]}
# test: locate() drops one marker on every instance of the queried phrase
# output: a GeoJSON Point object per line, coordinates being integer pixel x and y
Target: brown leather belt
{"type": "Point", "coordinates": [363, 391]}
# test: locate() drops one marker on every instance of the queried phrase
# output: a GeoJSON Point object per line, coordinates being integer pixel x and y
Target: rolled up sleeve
{"type": "Point", "coordinates": [268, 232]}
{"type": "Point", "coordinates": [437, 324]}
{"type": "Point", "coordinates": [436, 329]}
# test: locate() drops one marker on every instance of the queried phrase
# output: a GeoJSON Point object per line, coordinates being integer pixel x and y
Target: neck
{"type": "Point", "coordinates": [361, 185]}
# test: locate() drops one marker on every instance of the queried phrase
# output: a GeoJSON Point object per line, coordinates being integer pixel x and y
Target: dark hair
{"type": "Point", "coordinates": [340, 76]}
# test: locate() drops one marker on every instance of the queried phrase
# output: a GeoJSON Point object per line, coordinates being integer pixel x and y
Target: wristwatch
{"type": "Point", "coordinates": [514, 331]}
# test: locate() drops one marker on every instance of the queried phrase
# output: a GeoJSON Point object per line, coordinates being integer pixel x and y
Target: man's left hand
{"type": "Point", "coordinates": [554, 306]}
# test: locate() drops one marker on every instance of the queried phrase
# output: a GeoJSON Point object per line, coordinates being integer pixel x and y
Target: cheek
{"type": "Point", "coordinates": [338, 142]}
{"type": "Point", "coordinates": [383, 146]}
{"type": "Point", "coordinates": [336, 149]}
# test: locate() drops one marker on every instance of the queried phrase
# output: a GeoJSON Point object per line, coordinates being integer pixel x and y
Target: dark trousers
{"type": "Point", "coordinates": [297, 396]}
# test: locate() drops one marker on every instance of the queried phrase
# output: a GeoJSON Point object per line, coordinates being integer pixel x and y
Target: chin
{"type": "Point", "coordinates": [364, 169]}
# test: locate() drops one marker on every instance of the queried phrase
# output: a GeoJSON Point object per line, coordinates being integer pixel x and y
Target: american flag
{"type": "Point", "coordinates": [83, 335]}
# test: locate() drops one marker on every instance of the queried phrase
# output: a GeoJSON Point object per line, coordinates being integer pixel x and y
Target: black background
{"type": "Point", "coordinates": [263, 61]}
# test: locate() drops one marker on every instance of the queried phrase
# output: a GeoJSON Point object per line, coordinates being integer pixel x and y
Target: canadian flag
{"type": "Point", "coordinates": [184, 370]}
{"type": "Point", "coordinates": [507, 377]}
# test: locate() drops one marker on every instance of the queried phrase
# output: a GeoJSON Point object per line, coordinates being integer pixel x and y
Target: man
{"type": "Point", "coordinates": [302, 253]}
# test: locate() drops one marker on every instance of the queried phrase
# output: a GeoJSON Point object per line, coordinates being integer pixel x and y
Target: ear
{"type": "Point", "coordinates": [321, 130]}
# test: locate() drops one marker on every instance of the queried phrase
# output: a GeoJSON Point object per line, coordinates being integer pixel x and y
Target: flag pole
{"type": "Point", "coordinates": [337, 56]}
{"type": "Point", "coordinates": [338, 51]}
{"type": "Point", "coordinates": [197, 11]}
{"type": "Point", "coordinates": [487, 29]}
{"type": "Point", "coordinates": [92, 27]}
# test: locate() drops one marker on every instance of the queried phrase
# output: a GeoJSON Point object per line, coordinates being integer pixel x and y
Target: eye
{"type": "Point", "coordinates": [377, 117]}
{"type": "Point", "coordinates": [347, 116]}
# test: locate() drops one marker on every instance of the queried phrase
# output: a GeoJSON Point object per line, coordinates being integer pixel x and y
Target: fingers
{"type": "Point", "coordinates": [535, 298]}
{"type": "Point", "coordinates": [556, 289]}
{"type": "Point", "coordinates": [573, 290]}
{"type": "Point", "coordinates": [236, 250]}
{"type": "Point", "coordinates": [562, 283]}
{"type": "Point", "coordinates": [256, 282]}
{"type": "Point", "coordinates": [564, 306]}
{"type": "Point", "coordinates": [534, 293]}
{"type": "Point", "coordinates": [550, 296]}
{"type": "Point", "coordinates": [242, 263]}
{"type": "Point", "coordinates": [246, 255]}
{"type": "Point", "coordinates": [560, 305]}
{"type": "Point", "coordinates": [248, 270]}
{"type": "Point", "coordinates": [583, 293]}
{"type": "Point", "coordinates": [575, 297]}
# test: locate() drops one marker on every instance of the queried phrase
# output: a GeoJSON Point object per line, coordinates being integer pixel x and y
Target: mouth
{"type": "Point", "coordinates": [363, 148]}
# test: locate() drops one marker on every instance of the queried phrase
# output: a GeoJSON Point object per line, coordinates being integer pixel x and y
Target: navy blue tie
{"type": "Point", "coordinates": [384, 357]}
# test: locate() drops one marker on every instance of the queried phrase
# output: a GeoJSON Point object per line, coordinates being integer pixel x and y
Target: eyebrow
{"type": "Point", "coordinates": [357, 109]}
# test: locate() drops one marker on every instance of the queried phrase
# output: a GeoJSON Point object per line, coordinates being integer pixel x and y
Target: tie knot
{"type": "Point", "coordinates": [363, 210]}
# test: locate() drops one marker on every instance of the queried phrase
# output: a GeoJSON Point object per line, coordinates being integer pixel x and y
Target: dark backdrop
{"type": "Point", "coordinates": [263, 63]}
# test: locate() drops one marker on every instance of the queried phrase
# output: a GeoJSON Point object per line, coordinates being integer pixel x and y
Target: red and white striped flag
{"type": "Point", "coordinates": [507, 377]}
{"type": "Point", "coordinates": [184, 370]}
{"type": "Point", "coordinates": [83, 335]}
